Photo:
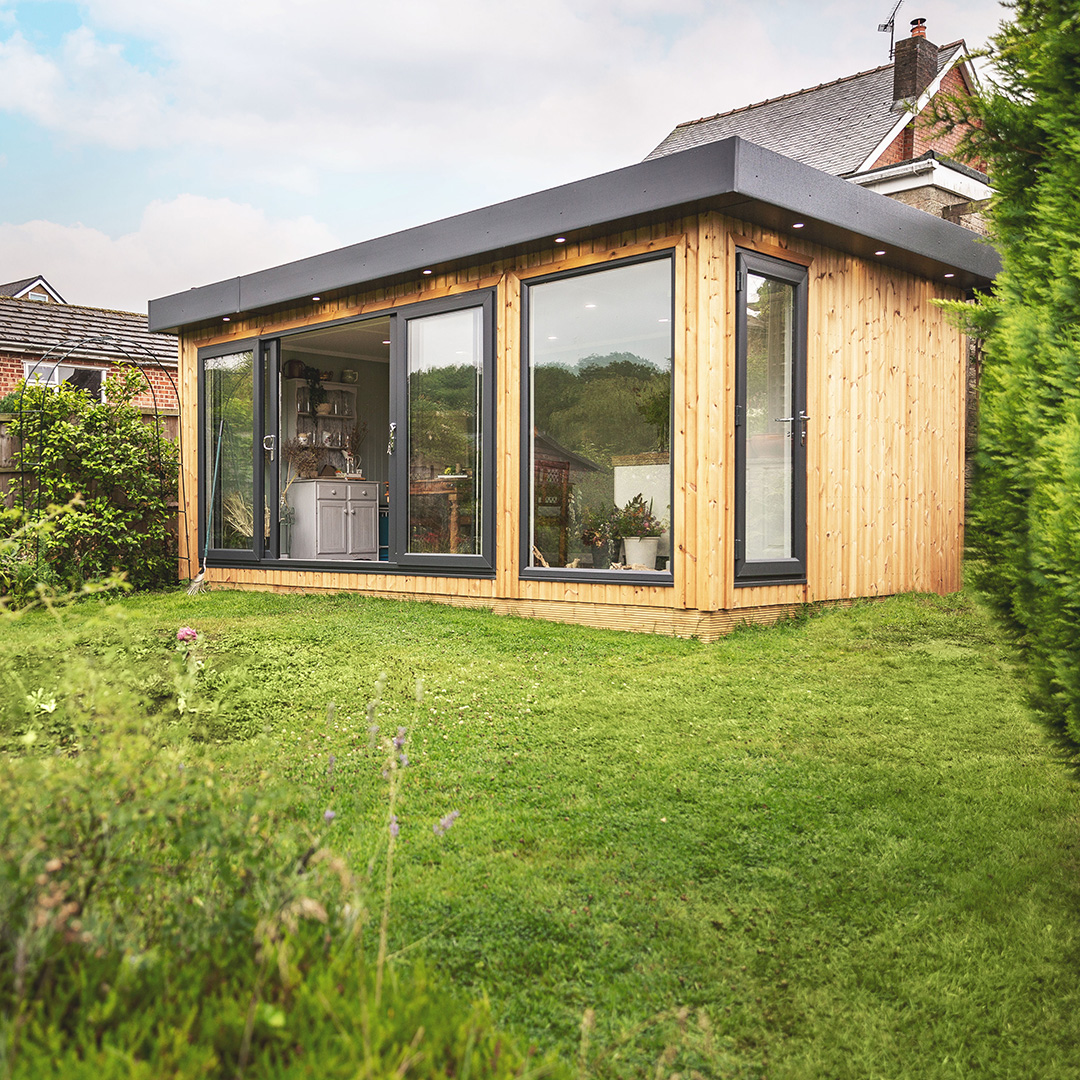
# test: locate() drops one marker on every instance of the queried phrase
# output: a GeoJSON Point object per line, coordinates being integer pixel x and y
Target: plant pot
{"type": "Point", "coordinates": [601, 557]}
{"type": "Point", "coordinates": [641, 550]}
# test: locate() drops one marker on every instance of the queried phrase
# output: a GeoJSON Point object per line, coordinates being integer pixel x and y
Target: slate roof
{"type": "Point", "coordinates": [832, 127]}
{"type": "Point", "coordinates": [30, 329]}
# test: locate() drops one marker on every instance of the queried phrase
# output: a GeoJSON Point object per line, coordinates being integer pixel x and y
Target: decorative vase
{"type": "Point", "coordinates": [323, 408]}
{"type": "Point", "coordinates": [641, 550]}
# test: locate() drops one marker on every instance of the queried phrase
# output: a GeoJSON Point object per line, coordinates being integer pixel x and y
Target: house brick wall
{"type": "Point", "coordinates": [161, 392]}
{"type": "Point", "coordinates": [922, 134]}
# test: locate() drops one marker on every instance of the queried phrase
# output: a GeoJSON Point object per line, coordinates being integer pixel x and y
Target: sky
{"type": "Point", "coordinates": [150, 146]}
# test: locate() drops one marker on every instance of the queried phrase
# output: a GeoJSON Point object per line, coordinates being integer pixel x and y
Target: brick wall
{"type": "Point", "coordinates": [922, 134]}
{"type": "Point", "coordinates": [163, 394]}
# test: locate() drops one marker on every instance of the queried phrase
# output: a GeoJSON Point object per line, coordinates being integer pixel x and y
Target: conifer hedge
{"type": "Point", "coordinates": [1024, 528]}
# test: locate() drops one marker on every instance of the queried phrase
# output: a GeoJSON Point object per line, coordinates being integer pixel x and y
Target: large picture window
{"type": "Point", "coordinates": [597, 424]}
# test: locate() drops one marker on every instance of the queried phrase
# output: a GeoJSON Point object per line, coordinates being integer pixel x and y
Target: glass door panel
{"type": "Point", "coordinates": [229, 495]}
{"type": "Point", "coordinates": [444, 390]}
{"type": "Point", "coordinates": [770, 418]}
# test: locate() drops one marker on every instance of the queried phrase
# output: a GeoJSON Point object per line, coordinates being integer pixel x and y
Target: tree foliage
{"type": "Point", "coordinates": [1025, 527]}
{"type": "Point", "coordinates": [119, 471]}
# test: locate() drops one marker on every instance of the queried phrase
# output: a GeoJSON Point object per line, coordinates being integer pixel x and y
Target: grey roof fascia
{"type": "Point", "coordinates": [733, 175]}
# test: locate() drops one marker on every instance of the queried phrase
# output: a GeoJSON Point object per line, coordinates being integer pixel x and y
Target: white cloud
{"type": "Point", "coordinates": [187, 241]}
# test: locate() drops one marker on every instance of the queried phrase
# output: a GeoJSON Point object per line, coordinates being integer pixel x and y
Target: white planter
{"type": "Point", "coordinates": [641, 550]}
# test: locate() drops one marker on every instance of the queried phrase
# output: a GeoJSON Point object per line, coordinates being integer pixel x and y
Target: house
{"type": "Point", "coordinates": [32, 288]}
{"type": "Point", "coordinates": [875, 128]}
{"type": "Point", "coordinates": [757, 338]}
{"type": "Point", "coordinates": [45, 338]}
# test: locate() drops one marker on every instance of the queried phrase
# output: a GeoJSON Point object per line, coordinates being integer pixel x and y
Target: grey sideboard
{"type": "Point", "coordinates": [335, 519]}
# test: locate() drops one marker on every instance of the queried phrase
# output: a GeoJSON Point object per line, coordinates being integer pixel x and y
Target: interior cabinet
{"type": "Point", "coordinates": [330, 427]}
{"type": "Point", "coordinates": [335, 519]}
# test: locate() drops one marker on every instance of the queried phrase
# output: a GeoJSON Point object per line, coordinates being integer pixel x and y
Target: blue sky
{"type": "Point", "coordinates": [148, 146]}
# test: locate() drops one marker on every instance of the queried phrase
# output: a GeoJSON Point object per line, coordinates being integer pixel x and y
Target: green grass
{"type": "Point", "coordinates": [843, 843]}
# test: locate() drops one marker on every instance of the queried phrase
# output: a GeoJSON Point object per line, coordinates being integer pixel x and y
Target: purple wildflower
{"type": "Point", "coordinates": [442, 826]}
{"type": "Point", "coordinates": [185, 633]}
{"type": "Point", "coordinates": [399, 739]}
{"type": "Point", "coordinates": [394, 827]}
{"type": "Point", "coordinates": [404, 761]}
{"type": "Point", "coordinates": [328, 816]}
{"type": "Point", "coordinates": [330, 766]}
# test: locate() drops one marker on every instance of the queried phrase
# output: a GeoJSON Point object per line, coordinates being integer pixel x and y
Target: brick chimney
{"type": "Point", "coordinates": [915, 64]}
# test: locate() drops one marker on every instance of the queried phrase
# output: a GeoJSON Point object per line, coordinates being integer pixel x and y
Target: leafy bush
{"type": "Point", "coordinates": [1025, 526]}
{"type": "Point", "coordinates": [119, 475]}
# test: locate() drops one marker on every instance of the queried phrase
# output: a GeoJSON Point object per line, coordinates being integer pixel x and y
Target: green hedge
{"type": "Point", "coordinates": [1025, 523]}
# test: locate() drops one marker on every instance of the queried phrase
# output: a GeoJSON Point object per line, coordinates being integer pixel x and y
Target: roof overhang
{"type": "Point", "coordinates": [736, 177]}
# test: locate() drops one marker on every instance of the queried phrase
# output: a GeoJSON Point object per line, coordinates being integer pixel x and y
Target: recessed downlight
{"type": "Point", "coordinates": [799, 225]}
{"type": "Point", "coordinates": [226, 319]}
{"type": "Point", "coordinates": [386, 341]}
{"type": "Point", "coordinates": [426, 272]}
{"type": "Point", "coordinates": [316, 298]}
{"type": "Point", "coordinates": [950, 275]}
{"type": "Point", "coordinates": [882, 252]}
{"type": "Point", "coordinates": [560, 239]}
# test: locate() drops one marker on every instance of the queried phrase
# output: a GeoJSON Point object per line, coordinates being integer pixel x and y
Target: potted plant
{"type": "Point", "coordinates": [639, 529]}
{"type": "Point", "coordinates": [596, 533]}
{"type": "Point", "coordinates": [305, 458]}
{"type": "Point", "coordinates": [317, 396]}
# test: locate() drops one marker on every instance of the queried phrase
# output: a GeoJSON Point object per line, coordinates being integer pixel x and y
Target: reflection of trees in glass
{"type": "Point", "coordinates": [444, 440]}
{"type": "Point", "coordinates": [604, 406]}
{"type": "Point", "coordinates": [230, 390]}
{"type": "Point", "coordinates": [443, 420]}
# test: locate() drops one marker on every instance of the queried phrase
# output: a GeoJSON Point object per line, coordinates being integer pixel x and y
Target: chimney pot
{"type": "Point", "coordinates": [918, 28]}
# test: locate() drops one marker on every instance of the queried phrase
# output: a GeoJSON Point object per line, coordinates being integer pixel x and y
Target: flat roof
{"type": "Point", "coordinates": [737, 177]}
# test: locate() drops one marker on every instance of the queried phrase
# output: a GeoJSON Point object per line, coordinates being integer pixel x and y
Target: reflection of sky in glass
{"type": "Point", "coordinates": [449, 340]}
{"type": "Point", "coordinates": [627, 309]}
{"type": "Point", "coordinates": [232, 362]}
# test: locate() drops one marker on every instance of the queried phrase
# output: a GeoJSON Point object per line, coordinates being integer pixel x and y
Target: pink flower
{"type": "Point", "coordinates": [185, 633]}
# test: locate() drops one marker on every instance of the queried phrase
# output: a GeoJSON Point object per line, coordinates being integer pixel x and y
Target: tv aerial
{"type": "Point", "coordinates": [889, 27]}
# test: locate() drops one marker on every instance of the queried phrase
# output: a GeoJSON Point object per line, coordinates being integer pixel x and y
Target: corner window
{"type": "Point", "coordinates": [597, 421]}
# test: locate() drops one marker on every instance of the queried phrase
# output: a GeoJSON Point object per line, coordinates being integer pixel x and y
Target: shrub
{"type": "Point", "coordinates": [118, 474]}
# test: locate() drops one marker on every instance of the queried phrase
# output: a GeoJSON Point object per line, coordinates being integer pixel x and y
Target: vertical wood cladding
{"type": "Point", "coordinates": [885, 439]}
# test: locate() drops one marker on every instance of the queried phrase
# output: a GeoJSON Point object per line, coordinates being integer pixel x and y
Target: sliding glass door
{"type": "Point", "coordinates": [358, 444]}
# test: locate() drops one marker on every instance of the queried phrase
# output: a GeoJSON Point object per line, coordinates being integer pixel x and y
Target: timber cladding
{"type": "Point", "coordinates": [885, 397]}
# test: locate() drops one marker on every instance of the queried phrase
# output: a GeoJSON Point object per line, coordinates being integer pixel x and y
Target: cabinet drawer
{"type": "Point", "coordinates": [364, 492]}
{"type": "Point", "coordinates": [331, 489]}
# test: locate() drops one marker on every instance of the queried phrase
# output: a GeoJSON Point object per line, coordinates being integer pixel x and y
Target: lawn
{"type": "Point", "coordinates": [838, 847]}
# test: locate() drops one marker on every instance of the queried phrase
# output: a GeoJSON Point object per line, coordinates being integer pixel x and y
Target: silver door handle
{"type": "Point", "coordinates": [269, 444]}
{"type": "Point", "coordinates": [393, 435]}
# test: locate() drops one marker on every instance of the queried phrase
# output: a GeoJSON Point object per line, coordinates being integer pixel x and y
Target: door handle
{"type": "Point", "coordinates": [393, 436]}
{"type": "Point", "coordinates": [270, 444]}
{"type": "Point", "coordinates": [803, 417]}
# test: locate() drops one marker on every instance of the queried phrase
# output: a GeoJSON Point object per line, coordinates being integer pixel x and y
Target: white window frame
{"type": "Point", "coordinates": [52, 375]}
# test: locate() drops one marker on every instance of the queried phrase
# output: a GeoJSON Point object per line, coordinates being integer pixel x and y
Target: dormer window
{"type": "Point", "coordinates": [38, 294]}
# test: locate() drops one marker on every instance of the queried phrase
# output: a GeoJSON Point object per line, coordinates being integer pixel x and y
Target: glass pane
{"type": "Point", "coordinates": [228, 437]}
{"type": "Point", "coordinates": [445, 361]}
{"type": "Point", "coordinates": [769, 427]}
{"type": "Point", "coordinates": [600, 346]}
